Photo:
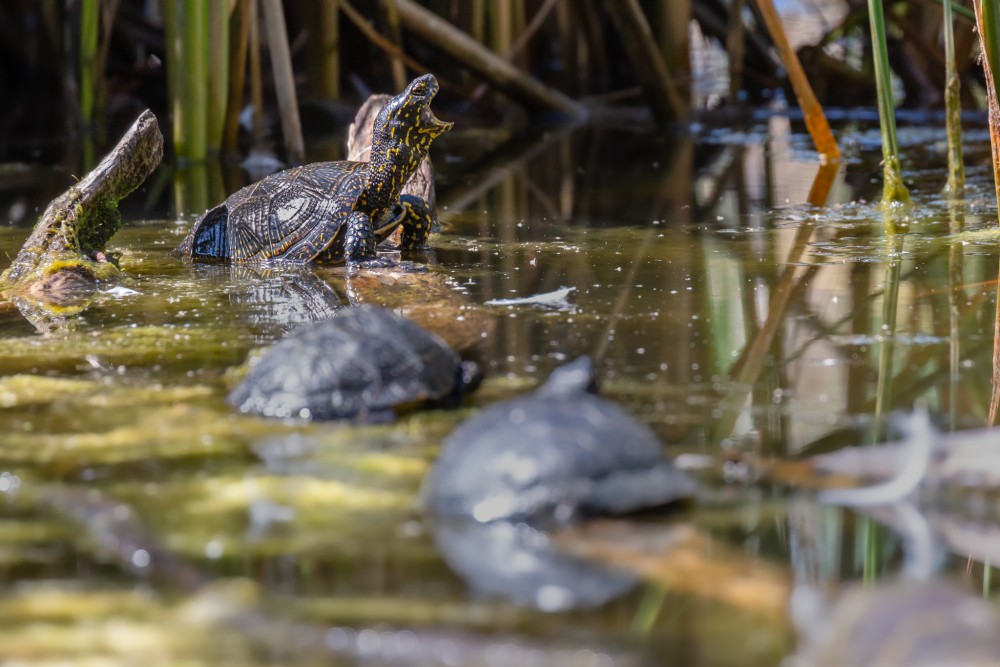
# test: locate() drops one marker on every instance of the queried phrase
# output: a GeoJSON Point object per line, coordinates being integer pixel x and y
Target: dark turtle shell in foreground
{"type": "Point", "coordinates": [551, 455]}
{"type": "Point", "coordinates": [364, 362]}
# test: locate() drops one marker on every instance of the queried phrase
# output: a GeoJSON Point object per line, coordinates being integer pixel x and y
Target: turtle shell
{"type": "Point", "coordinates": [293, 215]}
{"type": "Point", "coordinates": [364, 361]}
{"type": "Point", "coordinates": [550, 456]}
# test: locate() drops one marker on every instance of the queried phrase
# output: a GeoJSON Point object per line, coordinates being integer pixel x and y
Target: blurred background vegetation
{"type": "Point", "coordinates": [254, 69]}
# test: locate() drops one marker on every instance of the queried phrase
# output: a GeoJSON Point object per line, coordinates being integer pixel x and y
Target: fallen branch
{"type": "Point", "coordinates": [512, 81]}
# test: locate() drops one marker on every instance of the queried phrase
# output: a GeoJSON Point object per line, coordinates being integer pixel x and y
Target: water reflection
{"type": "Point", "coordinates": [274, 300]}
{"type": "Point", "coordinates": [726, 311]}
{"type": "Point", "coordinates": [520, 563]}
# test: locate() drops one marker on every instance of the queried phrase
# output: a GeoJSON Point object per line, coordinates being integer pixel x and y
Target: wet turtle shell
{"type": "Point", "coordinates": [551, 455]}
{"type": "Point", "coordinates": [365, 361]}
{"type": "Point", "coordinates": [295, 214]}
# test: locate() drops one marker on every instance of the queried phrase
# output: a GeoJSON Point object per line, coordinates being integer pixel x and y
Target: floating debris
{"type": "Point", "coordinates": [559, 299]}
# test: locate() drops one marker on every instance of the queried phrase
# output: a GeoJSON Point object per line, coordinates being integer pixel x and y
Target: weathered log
{"type": "Point", "coordinates": [66, 249]}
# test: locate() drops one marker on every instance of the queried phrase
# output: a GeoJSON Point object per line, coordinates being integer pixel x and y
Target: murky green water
{"type": "Point", "coordinates": [727, 314]}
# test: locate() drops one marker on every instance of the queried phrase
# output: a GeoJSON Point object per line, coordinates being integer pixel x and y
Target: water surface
{"type": "Point", "coordinates": [726, 312]}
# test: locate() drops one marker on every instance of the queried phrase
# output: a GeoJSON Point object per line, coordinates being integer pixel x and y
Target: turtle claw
{"type": "Point", "coordinates": [376, 263]}
{"type": "Point", "coordinates": [382, 262]}
{"type": "Point", "coordinates": [407, 266]}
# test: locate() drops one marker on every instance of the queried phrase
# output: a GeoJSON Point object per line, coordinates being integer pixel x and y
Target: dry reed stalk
{"type": "Point", "coordinates": [284, 80]}
{"type": "Point", "coordinates": [812, 110]}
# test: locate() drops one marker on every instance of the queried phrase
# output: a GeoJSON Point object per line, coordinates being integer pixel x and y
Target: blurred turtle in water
{"type": "Point", "coordinates": [65, 257]}
{"type": "Point", "coordinates": [331, 212]}
{"type": "Point", "coordinates": [903, 624]}
{"type": "Point", "coordinates": [364, 362]}
{"type": "Point", "coordinates": [559, 452]}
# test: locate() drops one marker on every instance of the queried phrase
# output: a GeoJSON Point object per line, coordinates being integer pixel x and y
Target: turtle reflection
{"type": "Point", "coordinates": [277, 299]}
{"type": "Point", "coordinates": [519, 562]}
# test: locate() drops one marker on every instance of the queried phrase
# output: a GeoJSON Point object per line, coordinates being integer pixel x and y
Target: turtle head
{"type": "Point", "coordinates": [407, 118]}
{"type": "Point", "coordinates": [576, 377]}
{"type": "Point", "coordinates": [404, 130]}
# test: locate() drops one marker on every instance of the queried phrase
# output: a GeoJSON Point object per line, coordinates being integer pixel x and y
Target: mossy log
{"type": "Point", "coordinates": [66, 250]}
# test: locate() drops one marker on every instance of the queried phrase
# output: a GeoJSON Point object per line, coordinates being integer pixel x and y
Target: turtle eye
{"type": "Point", "coordinates": [419, 90]}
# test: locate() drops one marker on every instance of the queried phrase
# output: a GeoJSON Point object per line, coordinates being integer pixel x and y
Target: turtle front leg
{"type": "Point", "coordinates": [360, 241]}
{"type": "Point", "coordinates": [359, 238]}
{"type": "Point", "coordinates": [416, 223]}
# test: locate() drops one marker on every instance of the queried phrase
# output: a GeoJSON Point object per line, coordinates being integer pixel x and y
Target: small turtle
{"type": "Point", "coordinates": [902, 624]}
{"type": "Point", "coordinates": [364, 362]}
{"type": "Point", "coordinates": [551, 455]}
{"type": "Point", "coordinates": [331, 211]}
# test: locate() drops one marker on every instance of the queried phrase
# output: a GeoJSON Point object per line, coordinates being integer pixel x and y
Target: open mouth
{"type": "Point", "coordinates": [432, 122]}
{"type": "Point", "coordinates": [427, 88]}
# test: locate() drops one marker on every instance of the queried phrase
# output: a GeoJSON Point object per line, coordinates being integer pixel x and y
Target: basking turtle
{"type": "Point", "coordinates": [363, 362]}
{"type": "Point", "coordinates": [550, 455]}
{"type": "Point", "coordinates": [331, 211]}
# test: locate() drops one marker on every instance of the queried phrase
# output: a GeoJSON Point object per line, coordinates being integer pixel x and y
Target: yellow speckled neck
{"type": "Point", "coordinates": [404, 130]}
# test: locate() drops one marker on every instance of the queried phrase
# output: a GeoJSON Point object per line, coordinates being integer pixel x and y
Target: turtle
{"type": "Point", "coordinates": [896, 624]}
{"type": "Point", "coordinates": [559, 453]}
{"type": "Point", "coordinates": [331, 212]}
{"type": "Point", "coordinates": [365, 363]}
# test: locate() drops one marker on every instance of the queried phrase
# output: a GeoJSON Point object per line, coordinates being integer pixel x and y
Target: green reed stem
{"type": "Point", "coordinates": [956, 262]}
{"type": "Point", "coordinates": [90, 19]}
{"type": "Point", "coordinates": [218, 72]}
{"type": "Point", "coordinates": [256, 75]}
{"type": "Point", "coordinates": [869, 535]}
{"type": "Point", "coordinates": [187, 69]}
{"type": "Point", "coordinates": [650, 606]}
{"type": "Point", "coordinates": [172, 13]}
{"type": "Point", "coordinates": [328, 63]}
{"type": "Point", "coordinates": [240, 31]}
{"type": "Point", "coordinates": [887, 331]}
{"type": "Point", "coordinates": [195, 75]}
{"type": "Point", "coordinates": [953, 107]}
{"type": "Point", "coordinates": [893, 189]}
{"type": "Point", "coordinates": [960, 11]}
